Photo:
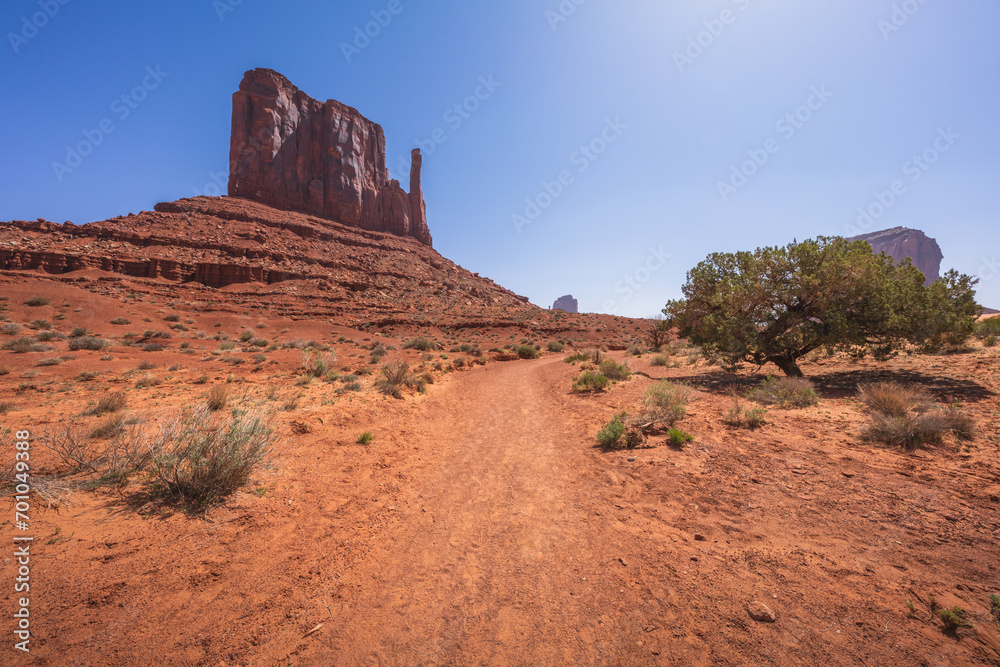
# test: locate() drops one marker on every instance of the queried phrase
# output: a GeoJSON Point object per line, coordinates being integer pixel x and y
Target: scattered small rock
{"type": "Point", "coordinates": [622, 561]}
{"type": "Point", "coordinates": [699, 537]}
{"type": "Point", "coordinates": [694, 558]}
{"type": "Point", "coordinates": [755, 480]}
{"type": "Point", "coordinates": [848, 474]}
{"type": "Point", "coordinates": [631, 458]}
{"type": "Point", "coordinates": [995, 499]}
{"type": "Point", "coordinates": [648, 628]}
{"type": "Point", "coordinates": [761, 612]}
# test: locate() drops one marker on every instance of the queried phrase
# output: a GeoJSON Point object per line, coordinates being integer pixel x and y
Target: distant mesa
{"type": "Point", "coordinates": [900, 242]}
{"type": "Point", "coordinates": [294, 153]}
{"type": "Point", "coordinates": [567, 303]}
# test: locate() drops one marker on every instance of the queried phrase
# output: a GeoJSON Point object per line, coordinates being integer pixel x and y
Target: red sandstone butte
{"type": "Point", "coordinates": [900, 242]}
{"type": "Point", "coordinates": [294, 153]}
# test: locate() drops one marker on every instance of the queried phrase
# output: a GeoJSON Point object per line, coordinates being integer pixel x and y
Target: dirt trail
{"type": "Point", "coordinates": [500, 557]}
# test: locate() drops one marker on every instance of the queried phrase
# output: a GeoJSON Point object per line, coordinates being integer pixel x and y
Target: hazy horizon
{"type": "Point", "coordinates": [569, 147]}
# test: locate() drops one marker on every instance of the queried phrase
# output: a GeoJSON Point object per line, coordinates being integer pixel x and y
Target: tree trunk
{"type": "Point", "coordinates": [788, 365]}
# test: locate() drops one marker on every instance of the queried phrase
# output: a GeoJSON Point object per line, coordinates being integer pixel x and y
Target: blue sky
{"type": "Point", "coordinates": [612, 146]}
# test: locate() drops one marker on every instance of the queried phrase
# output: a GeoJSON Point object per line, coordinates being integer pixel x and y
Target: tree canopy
{"type": "Point", "coordinates": [778, 304]}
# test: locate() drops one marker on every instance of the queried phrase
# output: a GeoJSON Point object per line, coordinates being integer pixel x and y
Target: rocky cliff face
{"type": "Point", "coordinates": [900, 242]}
{"type": "Point", "coordinates": [295, 153]}
{"type": "Point", "coordinates": [567, 303]}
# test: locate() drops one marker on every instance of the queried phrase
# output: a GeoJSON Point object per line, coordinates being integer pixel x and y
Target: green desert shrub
{"type": "Point", "coordinates": [614, 371]}
{"type": "Point", "coordinates": [36, 301]}
{"type": "Point", "coordinates": [527, 352]}
{"type": "Point", "coordinates": [590, 381]}
{"type": "Point", "coordinates": [555, 346]}
{"type": "Point", "coordinates": [612, 436]}
{"type": "Point", "coordinates": [199, 459]}
{"type": "Point", "coordinates": [677, 437]}
{"type": "Point", "coordinates": [988, 327]}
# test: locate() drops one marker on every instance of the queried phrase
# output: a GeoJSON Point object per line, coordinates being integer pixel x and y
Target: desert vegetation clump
{"type": "Point", "coordinates": [612, 370]}
{"type": "Point", "coordinates": [112, 402]}
{"type": "Point", "coordinates": [365, 438]}
{"type": "Point", "coordinates": [988, 327]}
{"type": "Point", "coordinates": [589, 381]}
{"type": "Point", "coordinates": [317, 364]}
{"type": "Point", "coordinates": [10, 328]}
{"type": "Point", "coordinates": [906, 417]}
{"type": "Point", "coordinates": [743, 416]}
{"type": "Point", "coordinates": [217, 398]}
{"type": "Point", "coordinates": [555, 346]}
{"type": "Point", "coordinates": [37, 301]}
{"type": "Point", "coordinates": [527, 352]}
{"type": "Point", "coordinates": [779, 304]}
{"type": "Point", "coordinates": [421, 344]}
{"type": "Point", "coordinates": [395, 376]}
{"type": "Point", "coordinates": [664, 404]}
{"type": "Point", "coordinates": [198, 459]}
{"type": "Point", "coordinates": [88, 343]}
{"type": "Point", "coordinates": [797, 392]}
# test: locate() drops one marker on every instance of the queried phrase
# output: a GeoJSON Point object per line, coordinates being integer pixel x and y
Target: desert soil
{"type": "Point", "coordinates": [483, 527]}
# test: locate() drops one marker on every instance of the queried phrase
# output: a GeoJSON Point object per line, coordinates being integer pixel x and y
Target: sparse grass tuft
{"type": "Point", "coordinates": [147, 380]}
{"type": "Point", "coordinates": [109, 403]}
{"type": "Point", "coordinates": [784, 392]}
{"type": "Point", "coordinates": [37, 301]}
{"type": "Point", "coordinates": [612, 436]}
{"type": "Point", "coordinates": [906, 417]}
{"type": "Point", "coordinates": [664, 404]}
{"type": "Point", "coordinates": [890, 398]}
{"type": "Point", "coordinates": [121, 320]}
{"type": "Point", "coordinates": [217, 397]}
{"type": "Point", "coordinates": [659, 360]}
{"type": "Point", "coordinates": [555, 346]}
{"type": "Point", "coordinates": [742, 416]}
{"type": "Point", "coordinates": [395, 376]}
{"type": "Point", "coordinates": [365, 438]}
{"type": "Point", "coordinates": [953, 618]}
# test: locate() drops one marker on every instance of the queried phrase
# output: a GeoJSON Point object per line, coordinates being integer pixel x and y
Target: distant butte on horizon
{"type": "Point", "coordinates": [292, 152]}
{"type": "Point", "coordinates": [900, 242]}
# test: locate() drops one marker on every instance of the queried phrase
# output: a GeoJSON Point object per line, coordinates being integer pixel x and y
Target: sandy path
{"type": "Point", "coordinates": [500, 557]}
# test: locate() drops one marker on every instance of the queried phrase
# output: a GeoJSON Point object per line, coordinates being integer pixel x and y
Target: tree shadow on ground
{"type": "Point", "coordinates": [844, 384]}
